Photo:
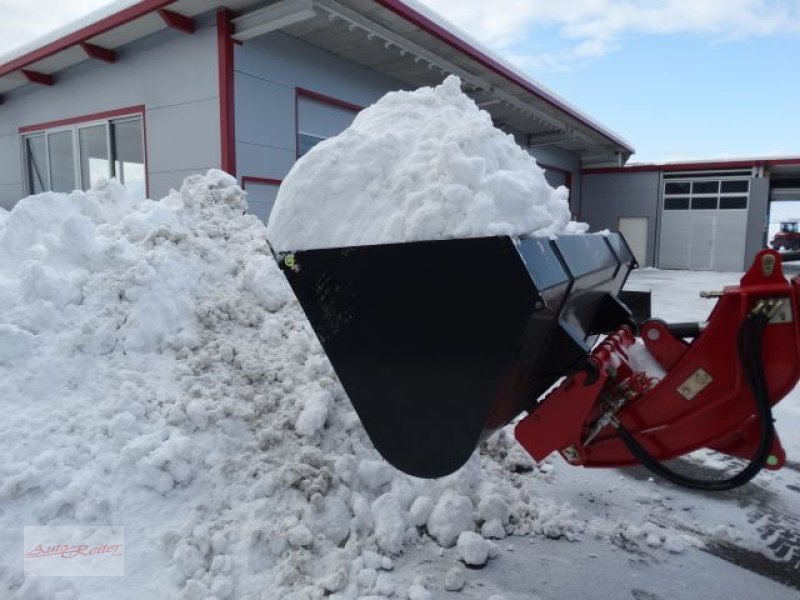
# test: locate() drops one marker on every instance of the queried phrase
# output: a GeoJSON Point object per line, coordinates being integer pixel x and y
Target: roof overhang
{"type": "Point", "coordinates": [402, 40]}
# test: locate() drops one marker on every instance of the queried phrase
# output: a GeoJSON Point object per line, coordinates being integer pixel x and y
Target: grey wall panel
{"type": "Point", "coordinates": [168, 69]}
{"type": "Point", "coordinates": [608, 196]}
{"type": "Point", "coordinates": [702, 240]}
{"type": "Point", "coordinates": [757, 218]}
{"type": "Point", "coordinates": [162, 183]}
{"type": "Point", "coordinates": [282, 59]}
{"type": "Point", "coordinates": [263, 161]}
{"type": "Point", "coordinates": [268, 70]}
{"type": "Point", "coordinates": [177, 141]}
{"type": "Point", "coordinates": [10, 170]}
{"type": "Point", "coordinates": [556, 157]}
{"type": "Point", "coordinates": [261, 199]}
{"type": "Point", "coordinates": [264, 112]}
{"type": "Point", "coordinates": [10, 194]}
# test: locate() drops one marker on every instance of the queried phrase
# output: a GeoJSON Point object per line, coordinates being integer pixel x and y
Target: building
{"type": "Point", "coordinates": [150, 91]}
{"type": "Point", "coordinates": [705, 215]}
{"type": "Point", "coordinates": [153, 90]}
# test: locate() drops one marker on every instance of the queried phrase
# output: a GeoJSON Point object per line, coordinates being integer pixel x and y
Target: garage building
{"type": "Point", "coordinates": [704, 215]}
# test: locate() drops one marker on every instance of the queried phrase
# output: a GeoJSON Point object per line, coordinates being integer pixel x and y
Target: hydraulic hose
{"type": "Point", "coordinates": [749, 347]}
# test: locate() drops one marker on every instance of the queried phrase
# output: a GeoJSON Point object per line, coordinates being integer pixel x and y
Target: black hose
{"type": "Point", "coordinates": [749, 345]}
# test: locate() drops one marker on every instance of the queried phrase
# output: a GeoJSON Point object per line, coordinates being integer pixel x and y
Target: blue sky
{"type": "Point", "coordinates": [679, 79]}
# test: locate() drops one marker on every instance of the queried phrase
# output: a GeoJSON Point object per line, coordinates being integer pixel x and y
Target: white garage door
{"type": "Point", "coordinates": [704, 224]}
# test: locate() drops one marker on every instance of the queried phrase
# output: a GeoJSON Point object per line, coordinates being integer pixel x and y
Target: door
{"type": "Point", "coordinates": [634, 229]}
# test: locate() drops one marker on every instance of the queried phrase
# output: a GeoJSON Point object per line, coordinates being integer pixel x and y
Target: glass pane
{"type": "Point", "coordinates": [62, 161]}
{"type": "Point", "coordinates": [735, 186]}
{"type": "Point", "coordinates": [733, 202]}
{"type": "Point", "coordinates": [36, 157]}
{"type": "Point", "coordinates": [306, 142]}
{"type": "Point", "coordinates": [676, 204]}
{"type": "Point", "coordinates": [681, 187]}
{"type": "Point", "coordinates": [94, 155]}
{"type": "Point", "coordinates": [704, 203]}
{"type": "Point", "coordinates": [705, 187]}
{"type": "Point", "coordinates": [128, 150]}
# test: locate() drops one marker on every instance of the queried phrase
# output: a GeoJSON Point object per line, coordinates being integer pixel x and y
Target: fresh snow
{"type": "Point", "coordinates": [157, 374]}
{"type": "Point", "coordinates": [421, 165]}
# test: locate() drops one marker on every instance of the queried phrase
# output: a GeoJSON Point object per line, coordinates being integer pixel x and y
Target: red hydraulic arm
{"type": "Point", "coordinates": [713, 392]}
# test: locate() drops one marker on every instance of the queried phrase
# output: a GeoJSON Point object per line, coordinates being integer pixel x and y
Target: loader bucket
{"type": "Point", "coordinates": [439, 343]}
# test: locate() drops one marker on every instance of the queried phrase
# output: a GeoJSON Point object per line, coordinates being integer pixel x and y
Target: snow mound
{"type": "Point", "coordinates": [421, 165]}
{"type": "Point", "coordinates": [156, 373]}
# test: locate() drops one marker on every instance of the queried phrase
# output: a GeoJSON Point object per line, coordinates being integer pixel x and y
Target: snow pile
{"type": "Point", "coordinates": [156, 373]}
{"type": "Point", "coordinates": [427, 164]}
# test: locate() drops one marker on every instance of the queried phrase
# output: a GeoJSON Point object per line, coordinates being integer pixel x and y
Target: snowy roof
{"type": "Point", "coordinates": [782, 163]}
{"type": "Point", "coordinates": [403, 39]}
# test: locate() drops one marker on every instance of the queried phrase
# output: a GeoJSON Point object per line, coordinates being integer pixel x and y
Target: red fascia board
{"type": "Point", "coordinates": [328, 99]}
{"type": "Point", "coordinates": [176, 20]}
{"type": "Point", "coordinates": [129, 111]}
{"type": "Point", "coordinates": [131, 13]}
{"type": "Point", "coordinates": [99, 53]}
{"type": "Point", "coordinates": [696, 166]}
{"type": "Point", "coordinates": [259, 181]}
{"type": "Point", "coordinates": [424, 23]}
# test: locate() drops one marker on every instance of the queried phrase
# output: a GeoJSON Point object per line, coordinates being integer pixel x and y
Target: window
{"type": "Point", "coordinates": [704, 203]}
{"type": "Point", "coordinates": [78, 156]}
{"type": "Point", "coordinates": [733, 202]}
{"type": "Point", "coordinates": [320, 117]}
{"type": "Point", "coordinates": [93, 145]}
{"type": "Point", "coordinates": [36, 158]}
{"type": "Point", "coordinates": [676, 203]}
{"type": "Point", "coordinates": [127, 145]}
{"type": "Point", "coordinates": [62, 161]}
{"type": "Point", "coordinates": [306, 141]}
{"type": "Point", "coordinates": [705, 194]}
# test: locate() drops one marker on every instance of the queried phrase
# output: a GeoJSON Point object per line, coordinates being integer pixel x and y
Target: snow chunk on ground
{"type": "Point", "coordinates": [473, 550]}
{"type": "Point", "coordinates": [451, 516]}
{"type": "Point", "coordinates": [421, 165]}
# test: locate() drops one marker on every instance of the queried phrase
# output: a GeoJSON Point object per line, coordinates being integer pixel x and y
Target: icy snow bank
{"type": "Point", "coordinates": [156, 373]}
{"type": "Point", "coordinates": [419, 165]}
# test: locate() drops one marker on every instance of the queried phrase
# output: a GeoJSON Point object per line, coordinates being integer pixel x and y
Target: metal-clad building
{"type": "Point", "coordinates": [705, 215]}
{"type": "Point", "coordinates": [150, 91]}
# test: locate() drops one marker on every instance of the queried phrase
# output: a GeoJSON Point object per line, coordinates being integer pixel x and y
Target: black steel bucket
{"type": "Point", "coordinates": [439, 343]}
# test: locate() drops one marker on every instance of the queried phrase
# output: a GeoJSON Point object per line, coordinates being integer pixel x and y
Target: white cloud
{"type": "Point", "coordinates": [593, 28]}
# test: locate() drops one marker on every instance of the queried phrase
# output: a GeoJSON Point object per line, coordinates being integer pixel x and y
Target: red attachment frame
{"type": "Point", "coordinates": [701, 400]}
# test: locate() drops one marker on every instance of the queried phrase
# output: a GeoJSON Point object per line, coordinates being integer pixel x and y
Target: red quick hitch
{"type": "Point", "coordinates": [679, 388]}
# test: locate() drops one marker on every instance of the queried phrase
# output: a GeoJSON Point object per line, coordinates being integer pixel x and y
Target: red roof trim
{"type": "Point", "coordinates": [98, 53]}
{"type": "Point", "coordinates": [424, 23]}
{"type": "Point", "coordinates": [131, 13]}
{"type": "Point", "coordinates": [328, 100]}
{"type": "Point", "coordinates": [176, 20]}
{"type": "Point", "coordinates": [40, 78]}
{"type": "Point", "coordinates": [696, 166]}
{"type": "Point", "coordinates": [129, 111]}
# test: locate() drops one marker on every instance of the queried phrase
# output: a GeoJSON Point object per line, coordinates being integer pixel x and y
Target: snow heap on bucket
{"type": "Point", "coordinates": [157, 374]}
{"type": "Point", "coordinates": [421, 165]}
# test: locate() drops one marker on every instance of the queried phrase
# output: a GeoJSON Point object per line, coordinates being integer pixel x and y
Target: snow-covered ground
{"type": "Point", "coordinates": [156, 374]}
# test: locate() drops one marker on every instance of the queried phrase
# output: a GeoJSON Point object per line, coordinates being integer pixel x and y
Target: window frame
{"type": "Point", "coordinates": [74, 125]}
{"type": "Point", "coordinates": [719, 195]}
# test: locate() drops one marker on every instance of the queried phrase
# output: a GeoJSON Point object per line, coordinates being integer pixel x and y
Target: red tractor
{"type": "Point", "coordinates": [788, 238]}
